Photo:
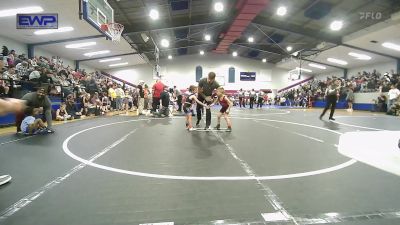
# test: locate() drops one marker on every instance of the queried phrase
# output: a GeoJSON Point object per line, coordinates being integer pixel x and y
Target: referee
{"type": "Point", "coordinates": [206, 87]}
{"type": "Point", "coordinates": [331, 96]}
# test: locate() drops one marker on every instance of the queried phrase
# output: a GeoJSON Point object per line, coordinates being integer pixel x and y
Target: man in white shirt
{"type": "Point", "coordinates": [393, 96]}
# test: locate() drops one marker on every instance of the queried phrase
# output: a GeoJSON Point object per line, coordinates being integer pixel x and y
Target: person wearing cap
{"type": "Point", "coordinates": [9, 106]}
{"type": "Point", "coordinates": [37, 100]}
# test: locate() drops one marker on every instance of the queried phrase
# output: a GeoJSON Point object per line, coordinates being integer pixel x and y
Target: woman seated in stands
{"type": "Point", "coordinates": [62, 114]}
{"type": "Point", "coordinates": [95, 104]}
{"type": "Point", "coordinates": [72, 108]}
{"type": "Point", "coordinates": [84, 100]}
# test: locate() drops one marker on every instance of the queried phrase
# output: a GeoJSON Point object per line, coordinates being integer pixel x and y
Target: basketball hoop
{"type": "Point", "coordinates": [114, 29]}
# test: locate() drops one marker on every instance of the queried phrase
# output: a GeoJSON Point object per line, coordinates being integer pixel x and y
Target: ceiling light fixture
{"type": "Point", "coordinates": [169, 56]}
{"type": "Point", "coordinates": [201, 52]}
{"type": "Point", "coordinates": [118, 64]}
{"type": "Point", "coordinates": [317, 66]}
{"type": "Point", "coordinates": [360, 56]}
{"type": "Point", "coordinates": [13, 12]}
{"type": "Point", "coordinates": [110, 60]}
{"type": "Point", "coordinates": [264, 60]}
{"type": "Point", "coordinates": [52, 31]}
{"type": "Point", "coordinates": [281, 11]}
{"type": "Point", "coordinates": [303, 69]}
{"type": "Point", "coordinates": [337, 61]}
{"type": "Point", "coordinates": [207, 37]}
{"type": "Point", "coordinates": [154, 15]}
{"type": "Point", "coordinates": [250, 39]}
{"type": "Point", "coordinates": [289, 48]}
{"type": "Point", "coordinates": [81, 45]}
{"type": "Point", "coordinates": [165, 43]}
{"type": "Point", "coordinates": [234, 54]}
{"type": "Point", "coordinates": [219, 7]}
{"type": "Point", "coordinates": [391, 46]}
{"type": "Point", "coordinates": [90, 54]}
{"type": "Point", "coordinates": [336, 25]}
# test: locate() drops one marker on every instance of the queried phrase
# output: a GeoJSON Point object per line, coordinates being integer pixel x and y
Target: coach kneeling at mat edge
{"type": "Point", "coordinates": [38, 100]}
{"type": "Point", "coordinates": [206, 88]}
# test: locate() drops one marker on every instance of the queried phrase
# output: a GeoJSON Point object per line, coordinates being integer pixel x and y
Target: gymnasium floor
{"type": "Point", "coordinates": [278, 166]}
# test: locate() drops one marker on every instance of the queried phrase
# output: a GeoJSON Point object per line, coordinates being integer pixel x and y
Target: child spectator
{"type": "Point", "coordinates": [62, 114]}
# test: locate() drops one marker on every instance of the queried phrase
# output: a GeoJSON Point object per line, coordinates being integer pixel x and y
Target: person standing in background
{"type": "Point", "coordinates": [158, 88]}
{"type": "Point", "coordinates": [331, 96]}
{"type": "Point", "coordinates": [178, 96]}
{"type": "Point", "coordinates": [260, 99]}
{"type": "Point", "coordinates": [246, 97]}
{"type": "Point", "coordinates": [241, 98]}
{"type": "Point", "coordinates": [112, 95]}
{"type": "Point", "coordinates": [252, 98]}
{"type": "Point", "coordinates": [146, 93]}
{"type": "Point", "coordinates": [393, 96]}
{"type": "Point", "coordinates": [350, 98]}
{"type": "Point", "coordinates": [140, 97]}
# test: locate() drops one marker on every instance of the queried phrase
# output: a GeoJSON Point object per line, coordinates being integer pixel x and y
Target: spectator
{"type": "Point", "coordinates": [140, 97]}
{"type": "Point", "coordinates": [146, 93]}
{"type": "Point", "coordinates": [22, 70]}
{"type": "Point", "coordinates": [62, 114]}
{"type": "Point", "coordinates": [164, 102]}
{"type": "Point", "coordinates": [350, 99]}
{"type": "Point", "coordinates": [120, 97]}
{"type": "Point", "coordinates": [380, 104]}
{"type": "Point", "coordinates": [158, 87]}
{"type": "Point", "coordinates": [178, 96]}
{"type": "Point", "coordinates": [393, 96]}
{"type": "Point", "coordinates": [34, 75]}
{"type": "Point", "coordinates": [72, 108]}
{"type": "Point", "coordinates": [113, 96]}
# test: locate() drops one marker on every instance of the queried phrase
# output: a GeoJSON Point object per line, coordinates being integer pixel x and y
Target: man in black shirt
{"type": "Point", "coordinates": [206, 88]}
{"type": "Point", "coordinates": [164, 99]}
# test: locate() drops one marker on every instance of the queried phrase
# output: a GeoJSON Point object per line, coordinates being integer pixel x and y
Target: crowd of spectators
{"type": "Point", "coordinates": [306, 93]}
{"type": "Point", "coordinates": [81, 93]}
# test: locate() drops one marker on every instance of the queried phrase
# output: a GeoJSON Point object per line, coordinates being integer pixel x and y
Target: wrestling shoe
{"type": "Point", "coordinates": [4, 179]}
{"type": "Point", "coordinates": [229, 129]}
{"type": "Point", "coordinates": [217, 127]}
{"type": "Point", "coordinates": [333, 119]}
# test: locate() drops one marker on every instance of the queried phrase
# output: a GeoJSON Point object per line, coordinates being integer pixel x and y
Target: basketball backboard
{"type": "Point", "coordinates": [96, 13]}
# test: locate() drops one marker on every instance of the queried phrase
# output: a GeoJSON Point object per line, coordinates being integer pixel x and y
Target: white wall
{"type": "Point", "coordinates": [380, 67]}
{"type": "Point", "coordinates": [40, 51]}
{"type": "Point", "coordinates": [88, 69]}
{"type": "Point", "coordinates": [181, 70]}
{"type": "Point", "coordinates": [134, 74]}
{"type": "Point", "coordinates": [336, 73]}
{"type": "Point", "coordinates": [19, 47]}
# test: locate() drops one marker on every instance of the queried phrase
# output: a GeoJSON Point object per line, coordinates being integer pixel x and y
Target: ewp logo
{"type": "Point", "coordinates": [37, 21]}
